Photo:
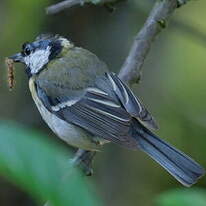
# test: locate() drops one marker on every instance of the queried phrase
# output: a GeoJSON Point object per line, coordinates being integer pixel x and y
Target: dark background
{"type": "Point", "coordinates": [172, 87]}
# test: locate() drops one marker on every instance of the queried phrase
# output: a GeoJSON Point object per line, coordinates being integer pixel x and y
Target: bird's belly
{"type": "Point", "coordinates": [74, 136]}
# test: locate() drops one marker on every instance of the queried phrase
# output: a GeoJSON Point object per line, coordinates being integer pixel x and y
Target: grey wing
{"type": "Point", "coordinates": [96, 111]}
{"type": "Point", "coordinates": [102, 116]}
{"type": "Point", "coordinates": [106, 110]}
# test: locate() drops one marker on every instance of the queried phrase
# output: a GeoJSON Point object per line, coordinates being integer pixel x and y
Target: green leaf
{"type": "Point", "coordinates": [182, 197]}
{"type": "Point", "coordinates": [41, 168]}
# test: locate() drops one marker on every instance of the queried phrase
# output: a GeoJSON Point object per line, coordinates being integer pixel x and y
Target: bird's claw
{"type": "Point", "coordinates": [83, 160]}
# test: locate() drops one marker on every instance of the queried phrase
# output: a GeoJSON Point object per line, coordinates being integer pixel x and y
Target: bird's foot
{"type": "Point", "coordinates": [83, 160]}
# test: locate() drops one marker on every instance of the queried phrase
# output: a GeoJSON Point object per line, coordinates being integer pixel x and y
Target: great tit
{"type": "Point", "coordinates": [87, 106]}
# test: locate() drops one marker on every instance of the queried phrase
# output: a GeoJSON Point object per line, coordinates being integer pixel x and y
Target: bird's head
{"type": "Point", "coordinates": [37, 54]}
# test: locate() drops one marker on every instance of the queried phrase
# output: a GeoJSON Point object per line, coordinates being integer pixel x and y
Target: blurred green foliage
{"type": "Point", "coordinates": [172, 88]}
{"type": "Point", "coordinates": [24, 18]}
{"type": "Point", "coordinates": [182, 197]}
{"type": "Point", "coordinates": [42, 168]}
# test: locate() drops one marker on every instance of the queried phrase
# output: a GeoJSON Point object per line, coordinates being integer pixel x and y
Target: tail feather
{"type": "Point", "coordinates": [178, 164]}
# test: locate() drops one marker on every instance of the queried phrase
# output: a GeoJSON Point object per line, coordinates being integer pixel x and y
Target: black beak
{"type": "Point", "coordinates": [17, 58]}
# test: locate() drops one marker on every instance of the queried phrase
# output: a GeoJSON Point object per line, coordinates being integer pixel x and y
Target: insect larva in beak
{"type": "Point", "coordinates": [10, 66]}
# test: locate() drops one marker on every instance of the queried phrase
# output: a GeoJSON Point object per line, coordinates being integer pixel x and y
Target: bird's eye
{"type": "Point", "coordinates": [27, 51]}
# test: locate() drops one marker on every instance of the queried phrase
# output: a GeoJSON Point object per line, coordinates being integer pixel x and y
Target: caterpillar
{"type": "Point", "coordinates": [10, 70]}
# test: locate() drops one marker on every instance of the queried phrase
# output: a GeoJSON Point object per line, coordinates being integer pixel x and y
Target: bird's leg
{"type": "Point", "coordinates": [83, 159]}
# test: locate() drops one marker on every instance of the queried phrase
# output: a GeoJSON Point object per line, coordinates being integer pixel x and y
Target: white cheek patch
{"type": "Point", "coordinates": [35, 61]}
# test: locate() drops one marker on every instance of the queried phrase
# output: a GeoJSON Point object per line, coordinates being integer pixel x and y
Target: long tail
{"type": "Point", "coordinates": [178, 164]}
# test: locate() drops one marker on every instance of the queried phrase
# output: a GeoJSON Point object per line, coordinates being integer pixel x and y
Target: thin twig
{"type": "Point", "coordinates": [56, 8]}
{"type": "Point", "coordinates": [155, 23]}
{"type": "Point", "coordinates": [53, 9]}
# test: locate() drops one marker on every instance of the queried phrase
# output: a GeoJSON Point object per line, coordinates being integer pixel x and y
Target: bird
{"type": "Point", "coordinates": [87, 106]}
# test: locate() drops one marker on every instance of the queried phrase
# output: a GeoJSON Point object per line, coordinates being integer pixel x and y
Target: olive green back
{"type": "Point", "coordinates": [70, 72]}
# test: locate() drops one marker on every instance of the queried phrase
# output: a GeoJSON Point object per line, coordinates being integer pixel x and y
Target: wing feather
{"type": "Point", "coordinates": [131, 103]}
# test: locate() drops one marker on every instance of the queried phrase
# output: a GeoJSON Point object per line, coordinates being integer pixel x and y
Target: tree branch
{"type": "Point", "coordinates": [132, 68]}
{"type": "Point", "coordinates": [56, 8]}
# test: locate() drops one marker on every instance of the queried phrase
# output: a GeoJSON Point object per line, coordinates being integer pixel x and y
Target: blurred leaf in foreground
{"type": "Point", "coordinates": [182, 197]}
{"type": "Point", "coordinates": [41, 168]}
